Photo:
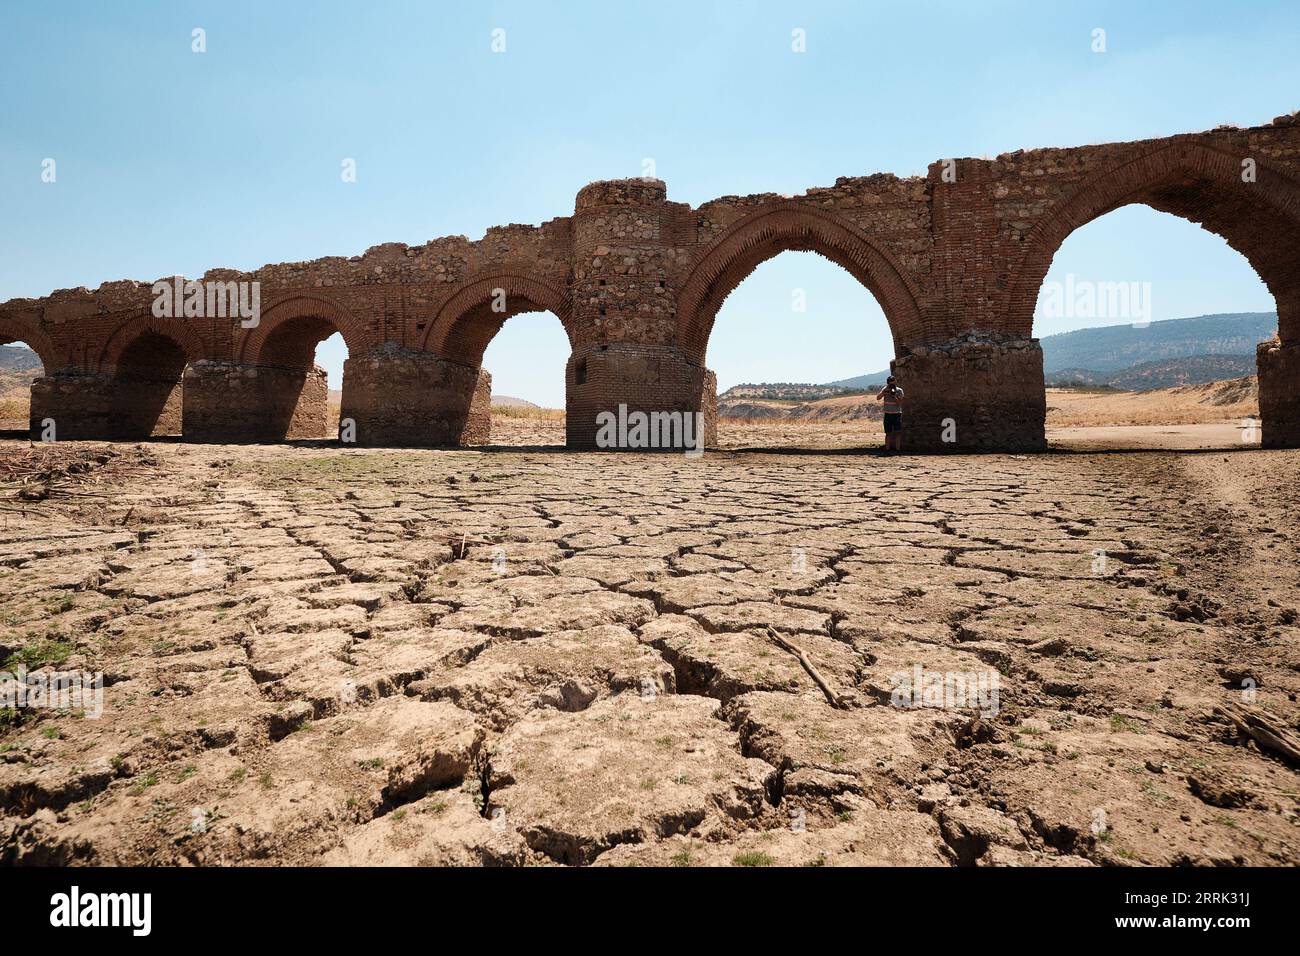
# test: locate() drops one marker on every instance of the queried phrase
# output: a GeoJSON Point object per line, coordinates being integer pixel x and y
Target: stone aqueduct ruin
{"type": "Point", "coordinates": [955, 258]}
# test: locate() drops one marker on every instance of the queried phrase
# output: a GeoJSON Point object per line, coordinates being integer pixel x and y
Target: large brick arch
{"type": "Point", "coordinates": [465, 324]}
{"type": "Point", "coordinates": [131, 331]}
{"type": "Point", "coordinates": [792, 226]}
{"type": "Point", "coordinates": [1260, 220]}
{"type": "Point", "coordinates": [12, 330]}
{"type": "Point", "coordinates": [307, 319]}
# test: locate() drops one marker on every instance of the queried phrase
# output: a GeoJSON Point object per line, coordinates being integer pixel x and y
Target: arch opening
{"type": "Point", "coordinates": [20, 366]}
{"type": "Point", "coordinates": [526, 359]}
{"type": "Point", "coordinates": [469, 323]}
{"type": "Point", "coordinates": [1149, 315]}
{"type": "Point", "coordinates": [469, 320]}
{"type": "Point", "coordinates": [296, 359]}
{"type": "Point", "coordinates": [1259, 218]}
{"type": "Point", "coordinates": [147, 391]}
{"type": "Point", "coordinates": [818, 388]}
{"type": "Point", "coordinates": [768, 233]}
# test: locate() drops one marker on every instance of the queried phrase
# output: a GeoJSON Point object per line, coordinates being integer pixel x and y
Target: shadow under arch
{"type": "Point", "coordinates": [292, 391]}
{"type": "Point", "coordinates": [145, 358]}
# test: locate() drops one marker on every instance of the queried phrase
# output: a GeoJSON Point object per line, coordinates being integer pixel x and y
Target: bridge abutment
{"type": "Point", "coordinates": [1279, 394]}
{"type": "Point", "coordinates": [979, 392]}
{"type": "Point", "coordinates": [406, 398]}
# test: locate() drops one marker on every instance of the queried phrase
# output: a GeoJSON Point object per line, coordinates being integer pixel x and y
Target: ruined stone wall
{"type": "Point", "coordinates": [389, 294]}
{"type": "Point", "coordinates": [1243, 184]}
{"type": "Point", "coordinates": [637, 280]}
{"type": "Point", "coordinates": [227, 402]}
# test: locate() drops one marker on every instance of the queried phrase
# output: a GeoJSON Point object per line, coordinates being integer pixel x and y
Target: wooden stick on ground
{"type": "Point", "coordinates": [1263, 731]}
{"type": "Point", "coordinates": [833, 698]}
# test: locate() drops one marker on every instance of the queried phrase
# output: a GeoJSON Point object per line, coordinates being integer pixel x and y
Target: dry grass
{"type": "Point", "coordinates": [527, 412]}
{"type": "Point", "coordinates": [15, 407]}
{"type": "Point", "coordinates": [1186, 405]}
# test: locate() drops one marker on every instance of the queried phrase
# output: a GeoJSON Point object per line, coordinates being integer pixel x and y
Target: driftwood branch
{"type": "Point", "coordinates": [460, 546]}
{"type": "Point", "coordinates": [832, 697]}
{"type": "Point", "coordinates": [1263, 731]}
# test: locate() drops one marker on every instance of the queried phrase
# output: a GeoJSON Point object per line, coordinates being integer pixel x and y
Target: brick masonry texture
{"type": "Point", "coordinates": [956, 259]}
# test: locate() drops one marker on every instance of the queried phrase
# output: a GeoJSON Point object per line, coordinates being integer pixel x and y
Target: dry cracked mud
{"type": "Point", "coordinates": [339, 656]}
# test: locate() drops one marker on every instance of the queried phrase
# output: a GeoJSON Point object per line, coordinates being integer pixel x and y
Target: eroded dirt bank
{"type": "Point", "coordinates": [342, 656]}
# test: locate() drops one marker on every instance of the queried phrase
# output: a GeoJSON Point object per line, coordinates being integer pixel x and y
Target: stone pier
{"type": "Point", "coordinates": [406, 398]}
{"type": "Point", "coordinates": [975, 393]}
{"type": "Point", "coordinates": [1279, 394]}
{"type": "Point", "coordinates": [232, 402]}
{"type": "Point", "coordinates": [644, 379]}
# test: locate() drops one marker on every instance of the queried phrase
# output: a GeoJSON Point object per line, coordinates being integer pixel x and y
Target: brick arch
{"type": "Point", "coordinates": [13, 330]}
{"type": "Point", "coordinates": [793, 226]}
{"type": "Point", "coordinates": [464, 324]}
{"type": "Point", "coordinates": [1260, 220]}
{"type": "Point", "coordinates": [146, 323]}
{"type": "Point", "coordinates": [251, 343]}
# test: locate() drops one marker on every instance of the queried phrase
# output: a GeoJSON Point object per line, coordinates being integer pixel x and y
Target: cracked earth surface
{"type": "Point", "coordinates": [319, 655]}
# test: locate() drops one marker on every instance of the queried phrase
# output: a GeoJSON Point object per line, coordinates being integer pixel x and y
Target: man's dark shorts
{"type": "Point", "coordinates": [893, 423]}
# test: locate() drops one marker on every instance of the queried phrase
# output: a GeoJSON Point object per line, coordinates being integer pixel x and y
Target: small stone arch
{"type": "Point", "coordinates": [451, 334]}
{"type": "Point", "coordinates": [146, 356]}
{"type": "Point", "coordinates": [128, 332]}
{"type": "Point", "coordinates": [793, 226]}
{"type": "Point", "coordinates": [13, 330]}
{"type": "Point", "coordinates": [252, 342]}
{"type": "Point", "coordinates": [1260, 220]}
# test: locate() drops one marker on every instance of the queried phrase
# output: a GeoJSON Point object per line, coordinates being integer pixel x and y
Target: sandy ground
{"type": "Point", "coordinates": [326, 655]}
{"type": "Point", "coordinates": [868, 436]}
{"type": "Point", "coordinates": [1205, 435]}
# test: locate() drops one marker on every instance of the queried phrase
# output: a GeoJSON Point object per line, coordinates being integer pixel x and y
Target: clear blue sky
{"type": "Point", "coordinates": [175, 162]}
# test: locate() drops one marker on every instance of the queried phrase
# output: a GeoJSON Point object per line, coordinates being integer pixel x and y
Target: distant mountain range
{"type": "Point", "coordinates": [17, 358]}
{"type": "Point", "coordinates": [862, 382]}
{"type": "Point", "coordinates": [1205, 348]}
{"type": "Point", "coordinates": [509, 401]}
{"type": "Point", "coordinates": [1162, 373]}
{"type": "Point", "coordinates": [785, 392]}
{"type": "Point", "coordinates": [1115, 347]}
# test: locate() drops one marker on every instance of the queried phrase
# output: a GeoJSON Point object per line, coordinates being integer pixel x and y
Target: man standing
{"type": "Point", "coordinates": [892, 396]}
